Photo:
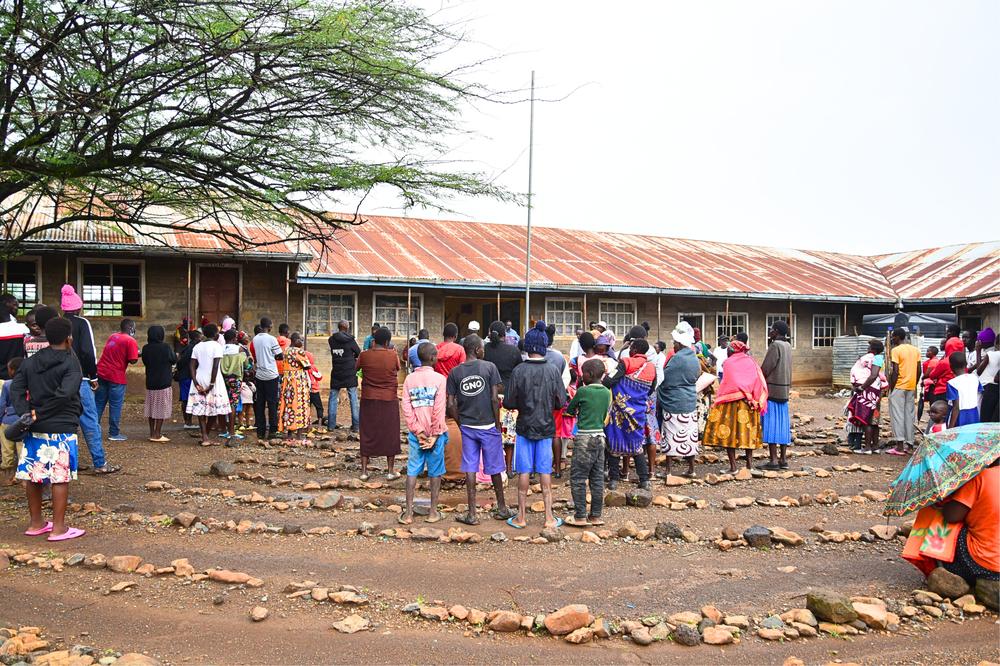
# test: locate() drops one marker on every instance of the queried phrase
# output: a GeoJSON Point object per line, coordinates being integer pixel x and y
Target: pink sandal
{"type": "Point", "coordinates": [71, 533]}
{"type": "Point", "coordinates": [44, 529]}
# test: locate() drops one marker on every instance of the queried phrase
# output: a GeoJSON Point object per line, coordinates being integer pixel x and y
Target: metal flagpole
{"type": "Point", "coordinates": [527, 257]}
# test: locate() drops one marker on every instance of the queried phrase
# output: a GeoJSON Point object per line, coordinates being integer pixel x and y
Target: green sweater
{"type": "Point", "coordinates": [591, 403]}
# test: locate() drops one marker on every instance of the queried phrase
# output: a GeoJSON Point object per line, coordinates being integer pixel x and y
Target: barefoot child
{"type": "Point", "coordinates": [536, 390]}
{"type": "Point", "coordinates": [424, 402]}
{"type": "Point", "coordinates": [473, 401]}
{"type": "Point", "coordinates": [52, 379]}
{"type": "Point", "coordinates": [11, 450]}
{"type": "Point", "coordinates": [591, 404]}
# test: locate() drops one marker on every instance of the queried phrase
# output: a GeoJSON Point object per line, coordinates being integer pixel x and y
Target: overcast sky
{"type": "Point", "coordinates": [851, 126]}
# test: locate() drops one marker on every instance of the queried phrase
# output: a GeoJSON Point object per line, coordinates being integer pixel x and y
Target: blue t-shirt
{"type": "Point", "coordinates": [412, 355]}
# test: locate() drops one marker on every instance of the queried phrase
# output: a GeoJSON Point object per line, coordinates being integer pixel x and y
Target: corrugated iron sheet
{"type": "Point", "coordinates": [955, 271]}
{"type": "Point", "coordinates": [407, 249]}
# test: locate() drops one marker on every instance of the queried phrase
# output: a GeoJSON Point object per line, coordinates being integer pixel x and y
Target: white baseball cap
{"type": "Point", "coordinates": [473, 325]}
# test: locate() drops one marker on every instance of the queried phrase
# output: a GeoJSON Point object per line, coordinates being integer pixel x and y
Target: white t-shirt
{"type": "Point", "coordinates": [205, 352]}
{"type": "Point", "coordinates": [992, 368]}
{"type": "Point", "coordinates": [265, 348]}
{"type": "Point", "coordinates": [720, 355]}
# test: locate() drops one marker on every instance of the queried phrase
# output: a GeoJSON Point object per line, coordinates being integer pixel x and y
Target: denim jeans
{"type": "Point", "coordinates": [641, 467]}
{"type": "Point", "coordinates": [90, 424]}
{"type": "Point", "coordinates": [265, 406]}
{"type": "Point", "coordinates": [332, 407]}
{"type": "Point", "coordinates": [587, 465]}
{"type": "Point", "coordinates": [110, 392]}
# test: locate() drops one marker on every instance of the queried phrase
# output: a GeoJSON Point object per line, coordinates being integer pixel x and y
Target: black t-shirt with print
{"type": "Point", "coordinates": [472, 384]}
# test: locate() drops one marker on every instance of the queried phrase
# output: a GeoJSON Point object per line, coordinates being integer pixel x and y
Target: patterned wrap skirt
{"type": "Point", "coordinates": [680, 435]}
{"type": "Point", "coordinates": [508, 421]}
{"type": "Point", "coordinates": [47, 458]}
{"type": "Point", "coordinates": [293, 402]}
{"type": "Point", "coordinates": [733, 425]}
{"type": "Point", "coordinates": [159, 403]}
{"type": "Point", "coordinates": [234, 386]}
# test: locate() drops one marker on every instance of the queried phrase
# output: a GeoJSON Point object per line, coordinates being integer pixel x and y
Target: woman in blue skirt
{"type": "Point", "coordinates": [776, 422]}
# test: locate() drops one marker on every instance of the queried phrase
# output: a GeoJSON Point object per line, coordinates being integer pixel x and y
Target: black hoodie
{"type": "Point", "coordinates": [52, 378]}
{"type": "Point", "coordinates": [345, 351]}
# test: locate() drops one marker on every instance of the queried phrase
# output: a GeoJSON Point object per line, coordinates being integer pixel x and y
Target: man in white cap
{"type": "Point", "coordinates": [471, 329]}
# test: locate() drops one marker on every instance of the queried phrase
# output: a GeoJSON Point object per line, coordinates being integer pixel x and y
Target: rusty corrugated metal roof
{"type": "Point", "coordinates": [955, 271]}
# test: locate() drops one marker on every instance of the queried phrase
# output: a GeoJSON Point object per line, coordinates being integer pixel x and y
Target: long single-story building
{"type": "Point", "coordinates": [409, 274]}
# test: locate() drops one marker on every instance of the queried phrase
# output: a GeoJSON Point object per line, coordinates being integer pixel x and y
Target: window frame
{"type": "Point", "coordinates": [548, 319]}
{"type": "Point", "coordinates": [680, 318]}
{"type": "Point", "coordinates": [836, 330]}
{"type": "Point", "coordinates": [37, 260]}
{"type": "Point", "coordinates": [731, 336]}
{"type": "Point", "coordinates": [335, 292]}
{"type": "Point", "coordinates": [130, 262]}
{"type": "Point", "coordinates": [418, 296]}
{"type": "Point", "coordinates": [601, 316]}
{"type": "Point", "coordinates": [781, 316]}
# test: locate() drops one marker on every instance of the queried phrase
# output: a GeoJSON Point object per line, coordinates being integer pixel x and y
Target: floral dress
{"type": "Point", "coordinates": [293, 405]}
{"type": "Point", "coordinates": [47, 458]}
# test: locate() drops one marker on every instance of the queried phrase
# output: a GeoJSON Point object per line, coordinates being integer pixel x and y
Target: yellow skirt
{"type": "Point", "coordinates": [733, 425]}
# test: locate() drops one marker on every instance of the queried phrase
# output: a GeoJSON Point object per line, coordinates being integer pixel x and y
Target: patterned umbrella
{"type": "Point", "coordinates": [941, 465]}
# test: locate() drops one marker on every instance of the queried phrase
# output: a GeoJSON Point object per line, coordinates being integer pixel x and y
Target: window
{"type": "Point", "coordinates": [825, 329]}
{"type": "Point", "coordinates": [325, 309]}
{"type": "Point", "coordinates": [111, 289]}
{"type": "Point", "coordinates": [566, 314]}
{"type": "Point", "coordinates": [771, 318]}
{"type": "Point", "coordinates": [391, 311]}
{"type": "Point", "coordinates": [22, 283]}
{"type": "Point", "coordinates": [695, 319]}
{"type": "Point", "coordinates": [618, 315]}
{"type": "Point", "coordinates": [731, 324]}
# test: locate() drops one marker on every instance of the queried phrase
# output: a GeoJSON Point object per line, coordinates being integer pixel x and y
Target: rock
{"type": "Point", "coordinates": [438, 613]}
{"type": "Point", "coordinates": [124, 563]}
{"type": "Point", "coordinates": [738, 621]}
{"type": "Point", "coordinates": [772, 622]}
{"type": "Point", "coordinates": [805, 630]}
{"type": "Point", "coordinates": [182, 568]}
{"type": "Point", "coordinates": [743, 475]}
{"type": "Point", "coordinates": [146, 569]}
{"type": "Point", "coordinates": [786, 569]}
{"type": "Point", "coordinates": [705, 624]}
{"type": "Point", "coordinates": [568, 619]}
{"type": "Point", "coordinates": [947, 584]}
{"type": "Point", "coordinates": [835, 629]}
{"type": "Point", "coordinates": [964, 600]}
{"type": "Point", "coordinates": [601, 627]}
{"type": "Point", "coordinates": [884, 532]}
{"type": "Point", "coordinates": [229, 577]}
{"type": "Point", "coordinates": [757, 536]}
{"type": "Point", "coordinates": [615, 498]}
{"type": "Point", "coordinates": [639, 497]}
{"type": "Point", "coordinates": [259, 613]}
{"type": "Point", "coordinates": [799, 616]}
{"type": "Point", "coordinates": [734, 503]}
{"type": "Point", "coordinates": [581, 635]}
{"type": "Point", "coordinates": [498, 537]}
{"type": "Point", "coordinates": [793, 661]}
{"type": "Point", "coordinates": [122, 586]}
{"type": "Point", "coordinates": [717, 636]}
{"type": "Point", "coordinates": [731, 533]}
{"type": "Point", "coordinates": [476, 616]}
{"type": "Point", "coordinates": [97, 561]}
{"type": "Point", "coordinates": [641, 636]}
{"type": "Point", "coordinates": [988, 592]}
{"type": "Point", "coordinates": [291, 528]}
{"type": "Point", "coordinates": [458, 612]}
{"type": "Point", "coordinates": [554, 534]}
{"type": "Point", "coordinates": [504, 621]}
{"type": "Point", "coordinates": [426, 533]}
{"type": "Point", "coordinates": [665, 531]}
{"type": "Point", "coordinates": [874, 495]}
{"type": "Point", "coordinates": [628, 530]}
{"type": "Point", "coordinates": [685, 617]}
{"type": "Point", "coordinates": [674, 481]}
{"type": "Point", "coordinates": [136, 659]}
{"type": "Point", "coordinates": [689, 536]}
{"type": "Point", "coordinates": [71, 561]}
{"type": "Point", "coordinates": [660, 500]}
{"type": "Point", "coordinates": [787, 537]}
{"type": "Point", "coordinates": [328, 500]}
{"type": "Point", "coordinates": [185, 519]}
{"type": "Point", "coordinates": [660, 632]}
{"type": "Point", "coordinates": [222, 469]}
{"type": "Point", "coordinates": [973, 609]}
{"type": "Point", "coordinates": [352, 624]}
{"type": "Point", "coordinates": [590, 537]}
{"type": "Point", "coordinates": [320, 593]}
{"type": "Point", "coordinates": [872, 615]}
{"type": "Point", "coordinates": [712, 613]}
{"type": "Point", "coordinates": [830, 606]}
{"type": "Point", "coordinates": [770, 634]}
{"type": "Point", "coordinates": [685, 634]}
{"type": "Point", "coordinates": [830, 449]}
{"type": "Point", "coordinates": [537, 507]}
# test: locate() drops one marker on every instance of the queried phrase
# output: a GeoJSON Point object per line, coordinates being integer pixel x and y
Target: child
{"type": "Point", "coordinates": [591, 403]}
{"type": "Point", "coordinates": [48, 386]}
{"type": "Point", "coordinates": [158, 358]}
{"type": "Point", "coordinates": [35, 321]}
{"type": "Point", "coordinates": [234, 361]}
{"type": "Point", "coordinates": [11, 450]}
{"type": "Point", "coordinates": [536, 390]}
{"type": "Point", "coordinates": [473, 401]}
{"type": "Point", "coordinates": [424, 406]}
{"type": "Point", "coordinates": [937, 413]}
{"type": "Point", "coordinates": [183, 376]}
{"type": "Point", "coordinates": [315, 383]}
{"type": "Point", "coordinates": [962, 393]}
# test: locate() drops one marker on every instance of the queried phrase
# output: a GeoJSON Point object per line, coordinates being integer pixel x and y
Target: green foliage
{"type": "Point", "coordinates": [262, 109]}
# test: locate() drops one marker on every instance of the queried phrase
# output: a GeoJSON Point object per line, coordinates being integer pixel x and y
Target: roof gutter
{"type": "Point", "coordinates": [578, 288]}
{"type": "Point", "coordinates": [290, 257]}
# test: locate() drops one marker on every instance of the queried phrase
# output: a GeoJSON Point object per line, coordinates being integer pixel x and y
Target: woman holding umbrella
{"type": "Point", "coordinates": [977, 506]}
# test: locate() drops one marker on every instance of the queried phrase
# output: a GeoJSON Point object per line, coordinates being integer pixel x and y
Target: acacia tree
{"type": "Point", "coordinates": [257, 110]}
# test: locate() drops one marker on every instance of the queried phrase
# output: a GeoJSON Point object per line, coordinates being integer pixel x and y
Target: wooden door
{"type": "Point", "coordinates": [218, 294]}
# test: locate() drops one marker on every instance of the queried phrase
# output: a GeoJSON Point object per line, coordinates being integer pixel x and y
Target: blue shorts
{"type": "Point", "coordinates": [185, 389]}
{"type": "Point", "coordinates": [533, 456]}
{"type": "Point", "coordinates": [432, 459]}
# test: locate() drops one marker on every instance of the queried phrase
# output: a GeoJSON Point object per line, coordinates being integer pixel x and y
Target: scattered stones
{"type": "Point", "coordinates": [641, 636]}
{"type": "Point", "coordinates": [259, 613]}
{"type": "Point", "coordinates": [426, 534]}
{"type": "Point", "coordinates": [674, 481]}
{"type": "Point", "coordinates": [770, 634]}
{"type": "Point", "coordinates": [498, 537]}
{"type": "Point", "coordinates": [505, 621]}
{"type": "Point", "coordinates": [734, 503]}
{"type": "Point", "coordinates": [830, 606]}
{"type": "Point", "coordinates": [590, 537]}
{"type": "Point", "coordinates": [988, 592]}
{"type": "Point", "coordinates": [581, 635]}
{"type": "Point", "coordinates": [568, 619]}
{"type": "Point", "coordinates": [234, 578]}
{"type": "Point", "coordinates": [554, 535]}
{"type": "Point", "coordinates": [438, 613]}
{"type": "Point", "coordinates": [786, 537]}
{"type": "Point", "coordinates": [717, 636]}
{"type": "Point", "coordinates": [458, 612]}
{"type": "Point", "coordinates": [685, 634]}
{"type": "Point", "coordinates": [628, 530]}
{"type": "Point", "coordinates": [97, 561]}
{"type": "Point", "coordinates": [757, 536]}
{"type": "Point", "coordinates": [182, 568]}
{"type": "Point", "coordinates": [884, 532]}
{"type": "Point", "coordinates": [731, 533]}
{"type": "Point", "coordinates": [873, 615]}
{"type": "Point", "coordinates": [328, 500]}
{"type": "Point", "coordinates": [352, 624]}
{"type": "Point", "coordinates": [947, 584]}
{"type": "Point", "coordinates": [615, 498]}
{"type": "Point", "coordinates": [124, 563]}
{"type": "Point", "coordinates": [222, 469]}
{"type": "Point", "coordinates": [185, 519]}
{"type": "Point", "coordinates": [665, 531]}
{"type": "Point", "coordinates": [122, 586]}
{"type": "Point", "coordinates": [830, 449]}
{"type": "Point", "coordinates": [639, 497]}
{"type": "Point", "coordinates": [772, 622]}
{"type": "Point", "coordinates": [743, 475]}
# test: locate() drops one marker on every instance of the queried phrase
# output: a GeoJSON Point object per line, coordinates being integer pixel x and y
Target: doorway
{"type": "Point", "coordinates": [218, 293]}
{"type": "Point", "coordinates": [462, 310]}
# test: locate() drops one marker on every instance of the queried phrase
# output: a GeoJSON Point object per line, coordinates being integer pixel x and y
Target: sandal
{"type": "Point", "coordinates": [71, 533]}
{"type": "Point", "coordinates": [465, 520]}
{"type": "Point", "coordinates": [108, 469]}
{"type": "Point", "coordinates": [573, 522]}
{"type": "Point", "coordinates": [559, 523]}
{"type": "Point", "coordinates": [392, 477]}
{"type": "Point", "coordinates": [431, 520]}
{"type": "Point", "coordinates": [769, 467]}
{"type": "Point", "coordinates": [404, 521]}
{"type": "Point", "coordinates": [594, 521]}
{"type": "Point", "coordinates": [364, 477]}
{"type": "Point", "coordinates": [510, 521]}
{"type": "Point", "coordinates": [160, 439]}
{"type": "Point", "coordinates": [497, 514]}
{"type": "Point", "coordinates": [44, 529]}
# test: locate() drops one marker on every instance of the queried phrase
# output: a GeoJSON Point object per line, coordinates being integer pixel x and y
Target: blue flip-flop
{"type": "Point", "coordinates": [510, 521]}
{"type": "Point", "coordinates": [559, 523]}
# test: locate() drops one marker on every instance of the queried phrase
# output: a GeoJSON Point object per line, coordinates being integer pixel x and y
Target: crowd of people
{"type": "Point", "coordinates": [515, 403]}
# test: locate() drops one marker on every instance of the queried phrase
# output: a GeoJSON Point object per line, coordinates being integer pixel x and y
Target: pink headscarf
{"type": "Point", "coordinates": [228, 323]}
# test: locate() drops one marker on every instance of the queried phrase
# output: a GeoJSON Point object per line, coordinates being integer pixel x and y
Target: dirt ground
{"type": "Point", "coordinates": [180, 621]}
